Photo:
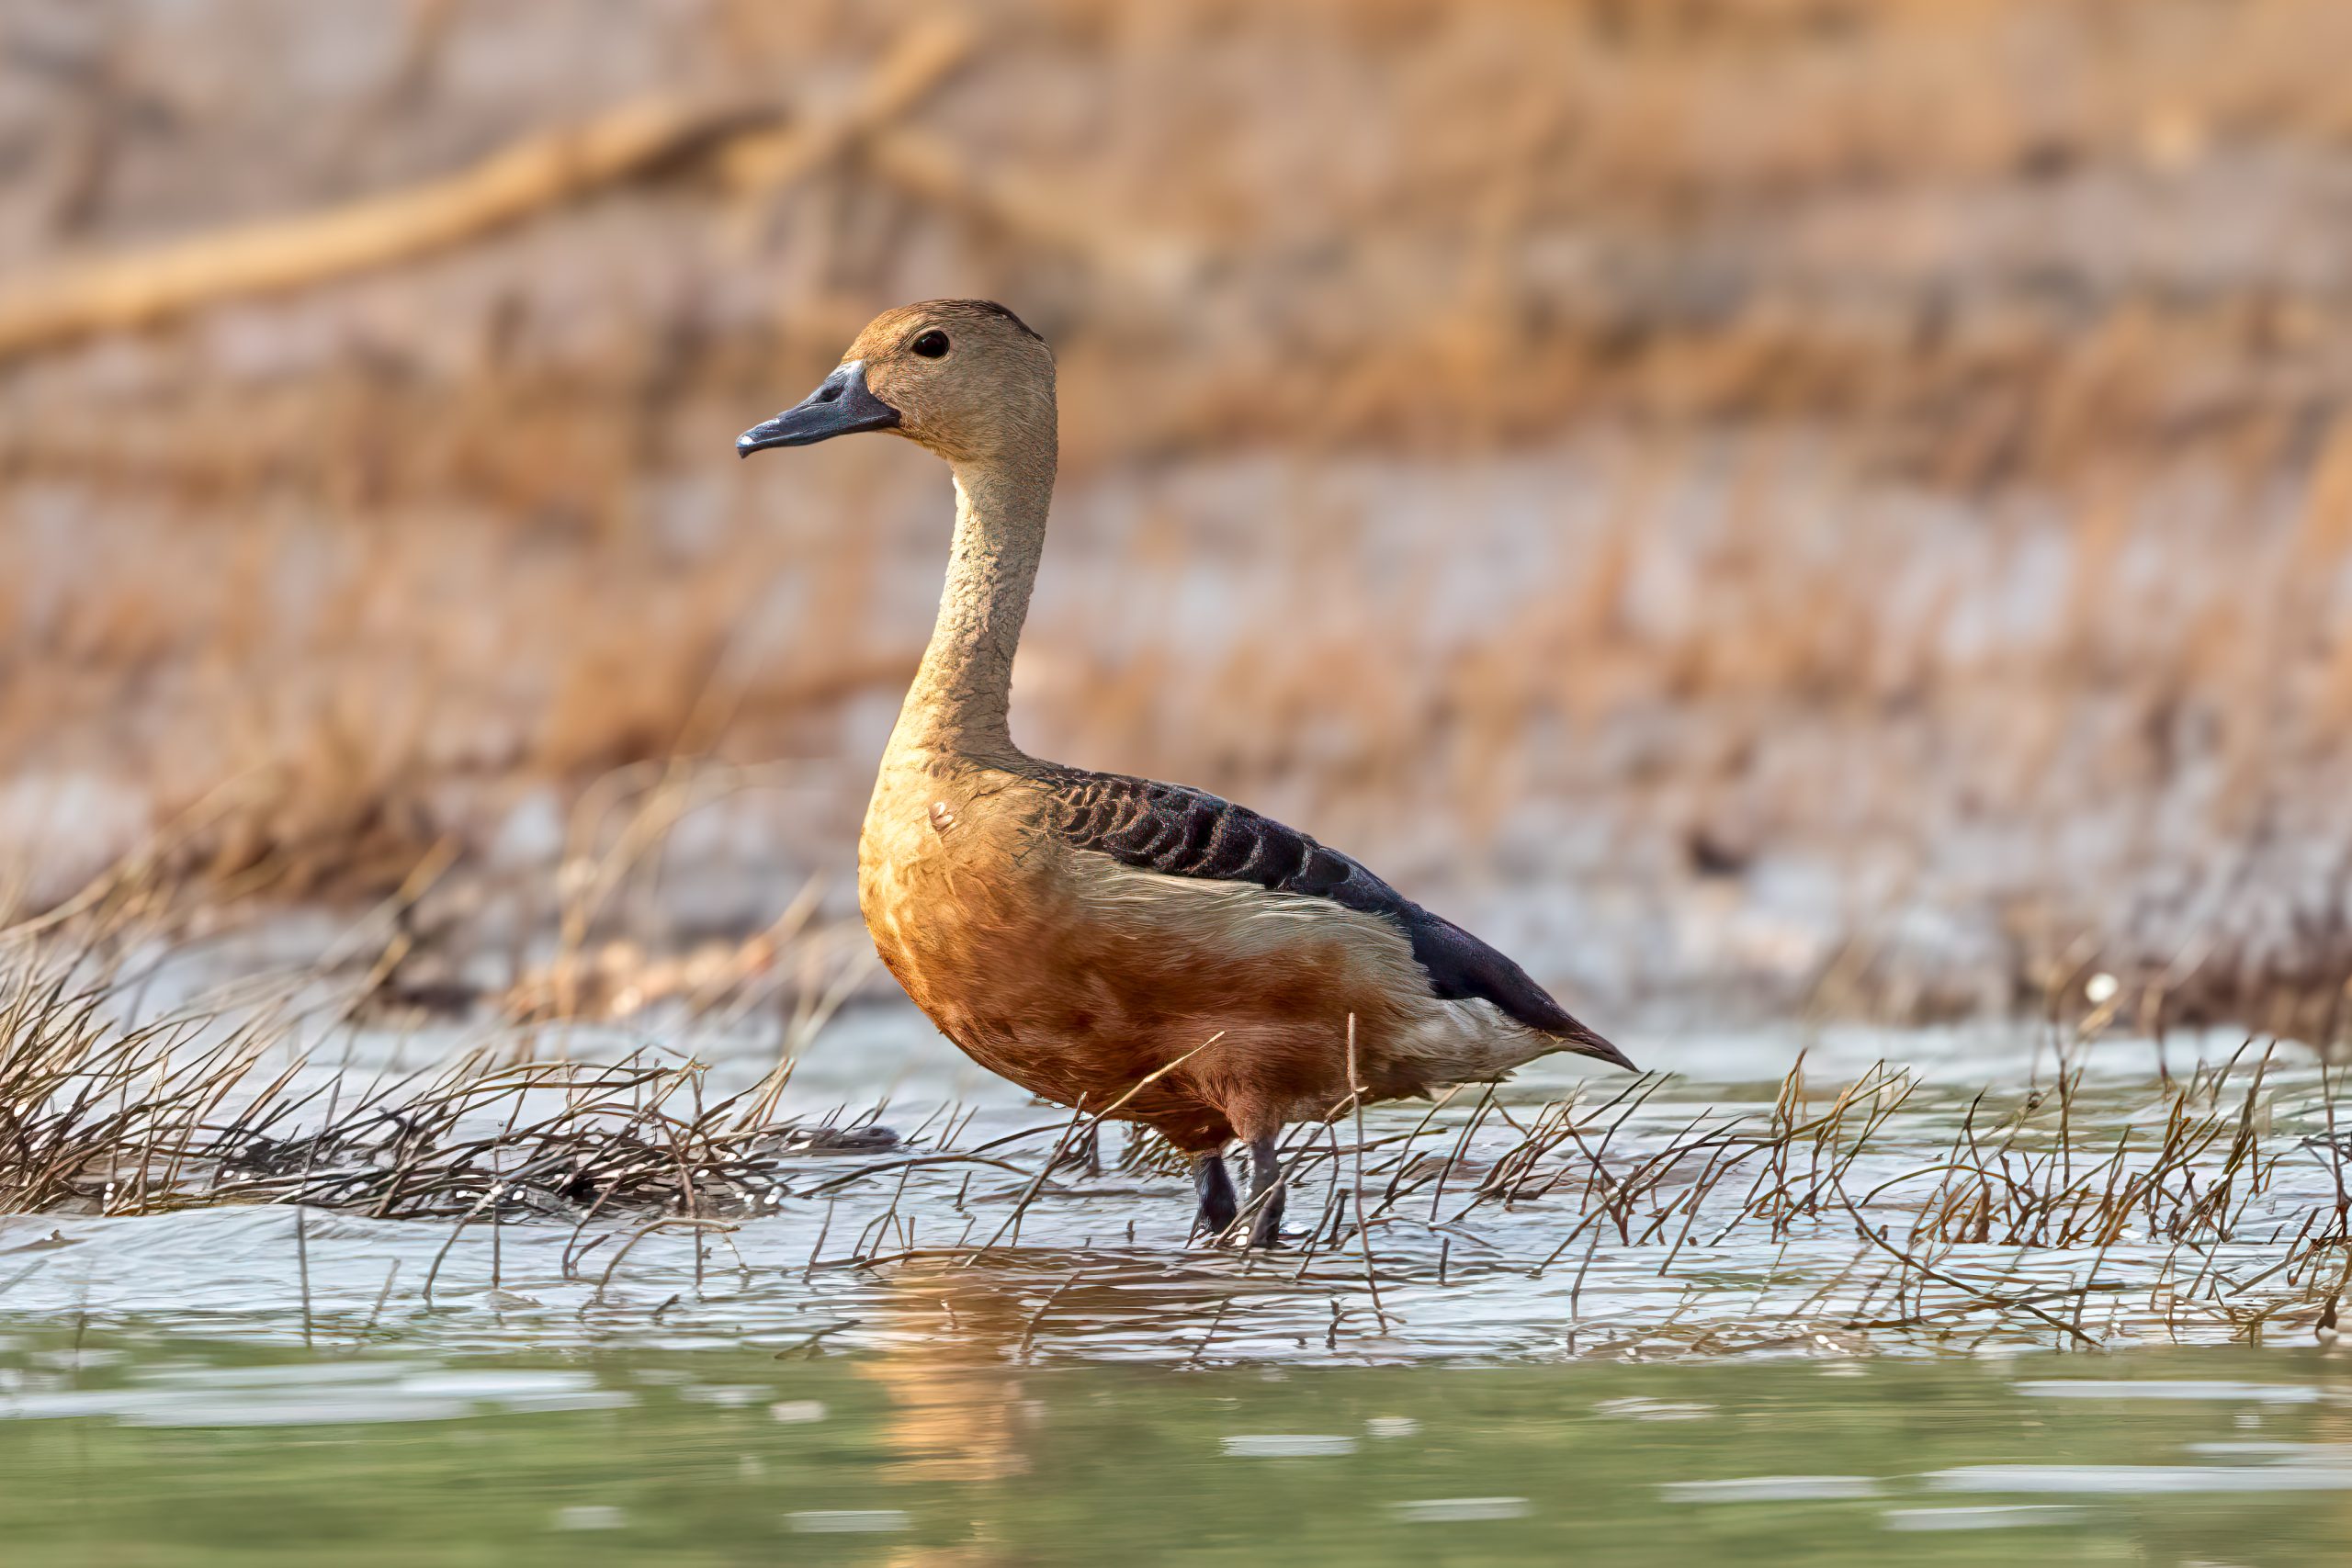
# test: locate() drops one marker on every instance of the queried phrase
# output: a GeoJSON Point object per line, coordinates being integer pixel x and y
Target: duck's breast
{"type": "Point", "coordinates": [971, 907]}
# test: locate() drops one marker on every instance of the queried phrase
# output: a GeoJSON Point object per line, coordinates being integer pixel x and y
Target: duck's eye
{"type": "Point", "coordinates": [930, 345]}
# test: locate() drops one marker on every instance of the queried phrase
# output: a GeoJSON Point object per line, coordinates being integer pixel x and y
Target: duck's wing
{"type": "Point", "coordinates": [1181, 831]}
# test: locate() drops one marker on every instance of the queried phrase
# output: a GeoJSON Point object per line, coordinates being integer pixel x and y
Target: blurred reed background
{"type": "Point", "coordinates": [1762, 506]}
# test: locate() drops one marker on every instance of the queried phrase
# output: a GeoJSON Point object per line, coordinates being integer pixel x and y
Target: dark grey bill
{"type": "Point", "coordinates": [841, 406]}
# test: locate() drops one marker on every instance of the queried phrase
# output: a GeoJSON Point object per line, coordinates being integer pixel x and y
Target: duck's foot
{"type": "Point", "coordinates": [1267, 1190]}
{"type": "Point", "coordinates": [1218, 1204]}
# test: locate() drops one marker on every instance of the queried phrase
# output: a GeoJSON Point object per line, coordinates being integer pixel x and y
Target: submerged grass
{"type": "Point", "coordinates": [1883, 1210]}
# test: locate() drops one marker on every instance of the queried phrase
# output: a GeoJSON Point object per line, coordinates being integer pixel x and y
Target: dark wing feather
{"type": "Point", "coordinates": [1180, 832]}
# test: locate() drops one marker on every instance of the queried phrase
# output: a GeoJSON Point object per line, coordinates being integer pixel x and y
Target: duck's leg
{"type": "Point", "coordinates": [1218, 1205]}
{"type": "Point", "coordinates": [1267, 1190]}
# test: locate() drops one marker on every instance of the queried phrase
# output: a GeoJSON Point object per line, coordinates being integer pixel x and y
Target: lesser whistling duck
{"type": "Point", "coordinates": [1078, 931]}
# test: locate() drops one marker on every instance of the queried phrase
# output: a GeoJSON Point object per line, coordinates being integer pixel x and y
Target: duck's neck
{"type": "Point", "coordinates": [956, 705]}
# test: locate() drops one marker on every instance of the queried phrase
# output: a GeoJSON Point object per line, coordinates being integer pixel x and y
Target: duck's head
{"type": "Point", "coordinates": [966, 377]}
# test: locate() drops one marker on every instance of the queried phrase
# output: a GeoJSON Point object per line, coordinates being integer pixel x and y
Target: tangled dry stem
{"type": "Point", "coordinates": [2035, 1209]}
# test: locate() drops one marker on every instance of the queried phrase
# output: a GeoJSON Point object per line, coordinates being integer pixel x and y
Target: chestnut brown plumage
{"type": "Point", "coordinates": [1080, 932]}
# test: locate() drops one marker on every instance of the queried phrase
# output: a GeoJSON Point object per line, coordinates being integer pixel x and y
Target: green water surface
{"type": "Point", "coordinates": [124, 1449]}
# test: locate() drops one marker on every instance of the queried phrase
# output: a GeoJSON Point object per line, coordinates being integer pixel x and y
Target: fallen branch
{"type": "Point", "coordinates": [930, 168]}
{"type": "Point", "coordinates": [766, 161]}
{"type": "Point", "coordinates": [537, 173]}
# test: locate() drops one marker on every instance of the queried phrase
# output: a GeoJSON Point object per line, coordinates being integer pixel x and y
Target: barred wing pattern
{"type": "Point", "coordinates": [1181, 831]}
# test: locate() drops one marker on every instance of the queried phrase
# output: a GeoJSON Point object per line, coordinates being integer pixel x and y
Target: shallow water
{"type": "Point", "coordinates": [127, 1447]}
{"type": "Point", "coordinates": [839, 1370]}
{"type": "Point", "coordinates": [956, 1239]}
